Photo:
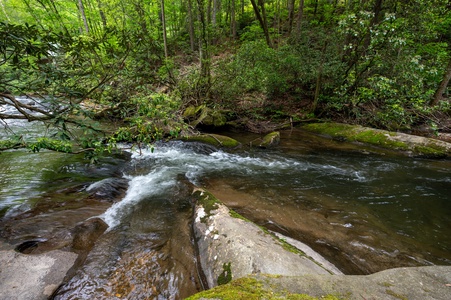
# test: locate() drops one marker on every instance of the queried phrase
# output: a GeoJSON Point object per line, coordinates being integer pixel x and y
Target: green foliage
{"type": "Point", "coordinates": [149, 118]}
{"type": "Point", "coordinates": [255, 68]}
{"type": "Point", "coordinates": [349, 60]}
{"type": "Point", "coordinates": [50, 144]}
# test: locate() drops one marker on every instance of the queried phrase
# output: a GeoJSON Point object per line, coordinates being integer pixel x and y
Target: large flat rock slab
{"type": "Point", "coordinates": [415, 283]}
{"type": "Point", "coordinates": [231, 247]}
{"type": "Point", "coordinates": [33, 277]}
{"type": "Point", "coordinates": [420, 283]}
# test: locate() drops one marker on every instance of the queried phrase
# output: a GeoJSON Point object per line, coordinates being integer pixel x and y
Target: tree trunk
{"type": "Point", "coordinates": [291, 14]}
{"type": "Point", "coordinates": [204, 55]}
{"type": "Point", "coordinates": [163, 24]}
{"type": "Point", "coordinates": [299, 18]}
{"type": "Point", "coordinates": [315, 11]}
{"type": "Point", "coordinates": [232, 19]}
{"type": "Point", "coordinates": [214, 22]}
{"type": "Point", "coordinates": [83, 15]}
{"type": "Point", "coordinates": [4, 10]}
{"type": "Point", "coordinates": [192, 37]}
{"type": "Point", "coordinates": [102, 14]}
{"type": "Point", "coordinates": [214, 12]}
{"type": "Point", "coordinates": [261, 17]}
{"type": "Point", "coordinates": [438, 96]}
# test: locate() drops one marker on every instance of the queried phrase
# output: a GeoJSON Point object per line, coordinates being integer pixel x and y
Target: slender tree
{"type": "Point", "coordinates": [83, 15]}
{"type": "Point", "coordinates": [260, 13]}
{"type": "Point", "coordinates": [291, 14]}
{"type": "Point", "coordinates": [204, 55]}
{"type": "Point", "coordinates": [4, 10]}
{"type": "Point", "coordinates": [232, 18]}
{"type": "Point", "coordinates": [101, 13]}
{"type": "Point", "coordinates": [192, 37]}
{"type": "Point", "coordinates": [299, 18]}
{"type": "Point", "coordinates": [163, 24]}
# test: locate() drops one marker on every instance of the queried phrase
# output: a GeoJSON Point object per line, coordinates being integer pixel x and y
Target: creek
{"type": "Point", "coordinates": [362, 210]}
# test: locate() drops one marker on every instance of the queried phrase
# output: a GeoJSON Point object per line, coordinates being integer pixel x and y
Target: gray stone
{"type": "Point", "coordinates": [225, 241]}
{"type": "Point", "coordinates": [33, 277]}
{"type": "Point", "coordinates": [415, 283]}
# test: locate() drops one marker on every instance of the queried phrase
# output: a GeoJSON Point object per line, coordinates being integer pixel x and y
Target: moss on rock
{"type": "Point", "coordinates": [215, 118]}
{"type": "Point", "coordinates": [270, 140]}
{"type": "Point", "coordinates": [226, 275]}
{"type": "Point", "coordinates": [202, 114]}
{"type": "Point", "coordinates": [381, 138]}
{"type": "Point", "coordinates": [216, 140]}
{"type": "Point", "coordinates": [249, 289]}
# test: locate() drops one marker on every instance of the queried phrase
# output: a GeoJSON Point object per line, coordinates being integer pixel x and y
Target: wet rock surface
{"type": "Point", "coordinates": [231, 247]}
{"type": "Point", "coordinates": [32, 276]}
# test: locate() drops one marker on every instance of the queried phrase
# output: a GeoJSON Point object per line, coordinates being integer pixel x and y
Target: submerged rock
{"type": "Point", "coordinates": [86, 233]}
{"type": "Point", "coordinates": [108, 190]}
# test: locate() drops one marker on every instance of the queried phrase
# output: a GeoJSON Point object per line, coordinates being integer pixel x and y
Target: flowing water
{"type": "Point", "coordinates": [363, 211]}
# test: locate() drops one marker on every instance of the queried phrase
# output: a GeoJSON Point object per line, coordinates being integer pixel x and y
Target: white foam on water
{"type": "Point", "coordinates": [98, 184]}
{"type": "Point", "coordinates": [140, 187]}
{"type": "Point", "coordinates": [168, 161]}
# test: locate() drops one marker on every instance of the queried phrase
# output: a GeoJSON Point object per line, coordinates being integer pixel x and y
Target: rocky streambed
{"type": "Point", "coordinates": [240, 260]}
{"type": "Point", "coordinates": [235, 258]}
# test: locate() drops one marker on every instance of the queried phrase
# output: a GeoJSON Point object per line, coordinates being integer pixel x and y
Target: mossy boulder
{"type": "Point", "coordinates": [409, 144]}
{"type": "Point", "coordinates": [216, 118]}
{"type": "Point", "coordinates": [196, 115]}
{"type": "Point", "coordinates": [270, 140]}
{"type": "Point", "coordinates": [220, 141]}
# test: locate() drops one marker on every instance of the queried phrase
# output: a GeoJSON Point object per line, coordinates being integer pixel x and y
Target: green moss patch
{"type": "Point", "coordinates": [214, 140]}
{"type": "Point", "coordinates": [430, 150]}
{"type": "Point", "coordinates": [251, 289]}
{"type": "Point", "coordinates": [331, 129]}
{"type": "Point", "coordinates": [226, 275]}
{"type": "Point", "coordinates": [375, 137]}
{"type": "Point", "coordinates": [396, 295]}
{"type": "Point", "coordinates": [236, 215]}
{"type": "Point", "coordinates": [270, 140]}
{"type": "Point", "coordinates": [352, 133]}
{"type": "Point", "coordinates": [290, 248]}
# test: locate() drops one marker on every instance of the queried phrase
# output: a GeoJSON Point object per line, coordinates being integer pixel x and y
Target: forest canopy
{"type": "Point", "coordinates": [150, 67]}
